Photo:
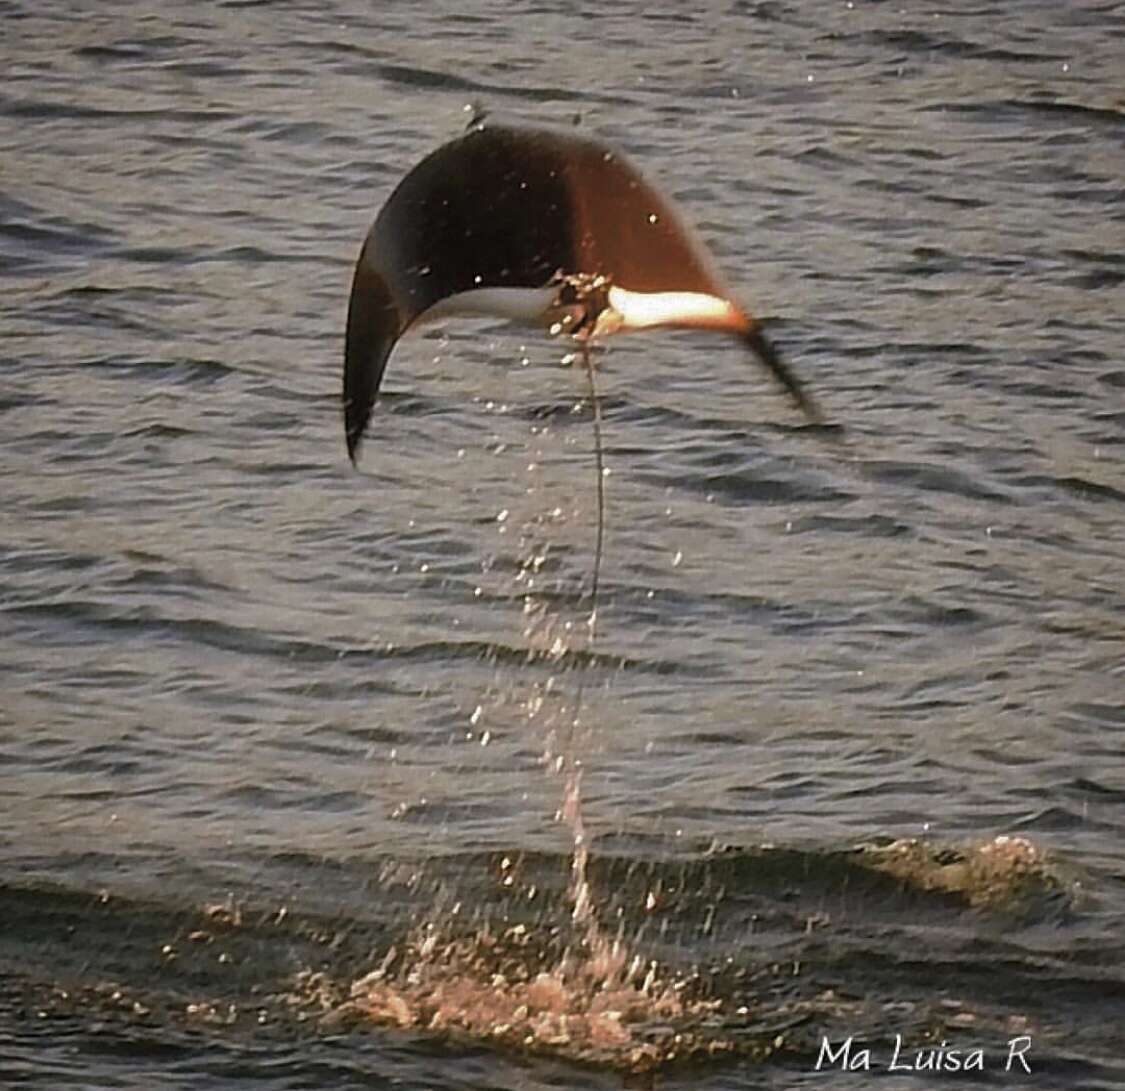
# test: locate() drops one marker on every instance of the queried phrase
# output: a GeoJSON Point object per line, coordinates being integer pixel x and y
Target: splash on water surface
{"type": "Point", "coordinates": [995, 874]}
{"type": "Point", "coordinates": [602, 1006]}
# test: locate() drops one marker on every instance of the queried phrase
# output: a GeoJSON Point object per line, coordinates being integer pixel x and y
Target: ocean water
{"type": "Point", "coordinates": [282, 742]}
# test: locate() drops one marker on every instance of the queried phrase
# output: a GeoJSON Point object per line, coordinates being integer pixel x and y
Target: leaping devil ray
{"type": "Point", "coordinates": [534, 225]}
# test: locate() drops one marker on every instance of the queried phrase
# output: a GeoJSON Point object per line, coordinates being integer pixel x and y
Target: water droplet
{"type": "Point", "coordinates": [677, 558]}
{"type": "Point", "coordinates": [653, 218]}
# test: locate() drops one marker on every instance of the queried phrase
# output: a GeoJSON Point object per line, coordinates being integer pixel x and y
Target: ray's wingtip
{"type": "Point", "coordinates": [763, 348]}
{"type": "Point", "coordinates": [353, 440]}
{"type": "Point", "coordinates": [816, 421]}
{"type": "Point", "coordinates": [827, 429]}
{"type": "Point", "coordinates": [353, 431]}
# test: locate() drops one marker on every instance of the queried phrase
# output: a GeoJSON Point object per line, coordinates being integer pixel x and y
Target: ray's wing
{"type": "Point", "coordinates": [487, 210]}
{"type": "Point", "coordinates": [628, 230]}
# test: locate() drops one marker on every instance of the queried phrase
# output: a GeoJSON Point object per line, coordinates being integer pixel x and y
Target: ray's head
{"type": "Point", "coordinates": [498, 221]}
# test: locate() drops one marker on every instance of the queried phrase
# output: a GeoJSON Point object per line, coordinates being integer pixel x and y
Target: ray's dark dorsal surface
{"type": "Point", "coordinates": [540, 226]}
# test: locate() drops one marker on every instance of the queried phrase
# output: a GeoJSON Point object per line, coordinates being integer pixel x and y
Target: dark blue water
{"type": "Point", "coordinates": [264, 717]}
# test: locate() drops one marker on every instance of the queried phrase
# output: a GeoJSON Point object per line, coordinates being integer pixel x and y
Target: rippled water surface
{"type": "Point", "coordinates": [278, 790]}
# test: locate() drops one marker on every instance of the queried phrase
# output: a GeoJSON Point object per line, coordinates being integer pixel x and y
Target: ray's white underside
{"type": "Point", "coordinates": [514, 304]}
{"type": "Point", "coordinates": [627, 310]}
{"type": "Point", "coordinates": [694, 310]}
